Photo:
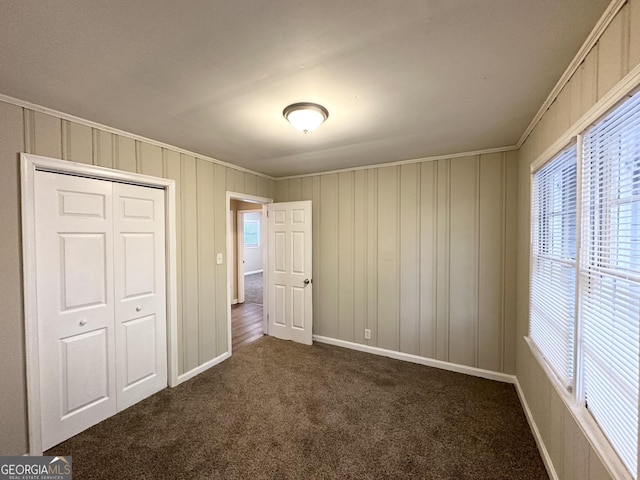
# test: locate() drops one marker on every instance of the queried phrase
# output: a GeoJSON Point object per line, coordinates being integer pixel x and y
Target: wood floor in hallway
{"type": "Point", "coordinates": [246, 324]}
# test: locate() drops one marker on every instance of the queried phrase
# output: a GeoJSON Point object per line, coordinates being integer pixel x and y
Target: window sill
{"type": "Point", "coordinates": [585, 421]}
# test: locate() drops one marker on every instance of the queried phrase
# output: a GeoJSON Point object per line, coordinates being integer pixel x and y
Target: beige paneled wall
{"type": "Point", "coordinates": [201, 220]}
{"type": "Point", "coordinates": [423, 254]}
{"type": "Point", "coordinates": [614, 55]}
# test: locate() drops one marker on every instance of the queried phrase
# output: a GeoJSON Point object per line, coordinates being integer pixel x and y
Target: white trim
{"type": "Point", "coordinates": [251, 198]}
{"type": "Point", "coordinates": [28, 165]}
{"type": "Point", "coordinates": [544, 453]}
{"type": "Point", "coordinates": [253, 272]}
{"type": "Point", "coordinates": [623, 88]}
{"type": "Point", "coordinates": [600, 27]}
{"type": "Point", "coordinates": [201, 368]}
{"type": "Point", "coordinates": [72, 118]}
{"type": "Point", "coordinates": [429, 362]}
{"type": "Point", "coordinates": [239, 249]}
{"type": "Point", "coordinates": [583, 419]}
{"type": "Point", "coordinates": [485, 151]}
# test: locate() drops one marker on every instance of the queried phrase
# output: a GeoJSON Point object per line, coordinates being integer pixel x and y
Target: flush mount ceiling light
{"type": "Point", "coordinates": [305, 117]}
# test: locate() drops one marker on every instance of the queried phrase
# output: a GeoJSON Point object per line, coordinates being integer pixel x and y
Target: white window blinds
{"type": "Point", "coordinates": [610, 276]}
{"type": "Point", "coordinates": [553, 268]}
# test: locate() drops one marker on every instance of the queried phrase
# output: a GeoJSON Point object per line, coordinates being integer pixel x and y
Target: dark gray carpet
{"type": "Point", "coordinates": [281, 410]}
{"type": "Point", "coordinates": [253, 288]}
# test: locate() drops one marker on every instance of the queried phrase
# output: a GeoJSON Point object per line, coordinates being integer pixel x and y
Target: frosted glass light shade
{"type": "Point", "coordinates": [305, 117]}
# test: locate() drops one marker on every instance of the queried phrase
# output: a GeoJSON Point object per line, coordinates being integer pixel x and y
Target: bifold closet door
{"type": "Point", "coordinates": [75, 302]}
{"type": "Point", "coordinates": [140, 300]}
{"type": "Point", "coordinates": [100, 267]}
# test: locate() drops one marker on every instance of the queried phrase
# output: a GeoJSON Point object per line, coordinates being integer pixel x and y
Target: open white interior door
{"type": "Point", "coordinates": [290, 309]}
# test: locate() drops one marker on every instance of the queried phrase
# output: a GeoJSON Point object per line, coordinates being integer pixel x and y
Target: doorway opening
{"type": "Point", "coordinates": [246, 235]}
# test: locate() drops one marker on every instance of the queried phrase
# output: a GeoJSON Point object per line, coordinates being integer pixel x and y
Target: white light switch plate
{"type": "Point", "coordinates": [219, 259]}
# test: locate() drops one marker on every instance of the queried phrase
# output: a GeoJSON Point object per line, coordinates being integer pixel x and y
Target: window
{"type": "Point", "coordinates": [610, 276]}
{"type": "Point", "coordinates": [251, 233]}
{"type": "Point", "coordinates": [600, 364]}
{"type": "Point", "coordinates": [553, 263]}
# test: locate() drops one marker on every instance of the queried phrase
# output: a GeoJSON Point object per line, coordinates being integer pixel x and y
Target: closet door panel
{"type": "Point", "coordinates": [75, 303]}
{"type": "Point", "coordinates": [140, 301]}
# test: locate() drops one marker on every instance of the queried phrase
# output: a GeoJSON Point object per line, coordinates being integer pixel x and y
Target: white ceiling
{"type": "Point", "coordinates": [401, 79]}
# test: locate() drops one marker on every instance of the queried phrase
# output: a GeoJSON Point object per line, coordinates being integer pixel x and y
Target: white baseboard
{"type": "Point", "coordinates": [234, 301]}
{"type": "Point", "coordinates": [252, 272]}
{"type": "Point", "coordinates": [536, 433]}
{"type": "Point", "coordinates": [201, 368]}
{"type": "Point", "coordinates": [429, 362]}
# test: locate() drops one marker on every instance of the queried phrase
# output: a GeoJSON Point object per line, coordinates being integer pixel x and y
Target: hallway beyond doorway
{"type": "Point", "coordinates": [246, 324]}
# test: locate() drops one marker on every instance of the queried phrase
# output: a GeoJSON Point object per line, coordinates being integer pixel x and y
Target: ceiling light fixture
{"type": "Point", "coordinates": [305, 116]}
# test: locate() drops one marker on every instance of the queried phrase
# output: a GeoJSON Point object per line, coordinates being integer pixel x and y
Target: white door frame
{"type": "Point", "coordinates": [29, 164]}
{"type": "Point", "coordinates": [240, 257]}
{"type": "Point", "coordinates": [262, 201]}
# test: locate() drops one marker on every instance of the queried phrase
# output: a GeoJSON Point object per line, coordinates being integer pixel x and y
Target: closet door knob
{"type": "Point", "coordinates": [138, 308]}
{"type": "Point", "coordinates": [83, 322]}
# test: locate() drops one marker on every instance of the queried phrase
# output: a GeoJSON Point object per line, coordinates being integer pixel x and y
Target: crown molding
{"type": "Point", "coordinates": [72, 118]}
{"type": "Point", "coordinates": [486, 151]}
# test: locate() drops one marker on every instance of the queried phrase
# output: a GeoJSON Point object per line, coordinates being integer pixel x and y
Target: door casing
{"type": "Point", "coordinates": [29, 164]}
{"type": "Point", "coordinates": [262, 201]}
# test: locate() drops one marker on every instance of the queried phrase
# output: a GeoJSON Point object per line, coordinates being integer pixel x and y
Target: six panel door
{"type": "Point", "coordinates": [290, 271]}
{"type": "Point", "coordinates": [139, 247]}
{"type": "Point", "coordinates": [74, 251]}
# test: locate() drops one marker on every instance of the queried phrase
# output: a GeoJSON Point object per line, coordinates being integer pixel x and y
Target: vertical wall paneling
{"type": "Point", "coordinates": [442, 263]}
{"type": "Point", "coordinates": [491, 262]}
{"type": "Point", "coordinates": [328, 301]}
{"type": "Point", "coordinates": [264, 189]}
{"type": "Point", "coordinates": [102, 148]}
{"type": "Point", "coordinates": [388, 307]}
{"type": "Point", "coordinates": [220, 215]}
{"type": "Point", "coordinates": [317, 285]}
{"type": "Point", "coordinates": [235, 180]}
{"type": "Point", "coordinates": [634, 33]}
{"type": "Point", "coordinates": [612, 53]}
{"type": "Point", "coordinates": [306, 187]}
{"type": "Point", "coordinates": [463, 282]}
{"type": "Point", "coordinates": [282, 191]}
{"type": "Point", "coordinates": [372, 254]}
{"type": "Point", "coordinates": [597, 471]}
{"type": "Point", "coordinates": [556, 433]}
{"type": "Point", "coordinates": [563, 120]}
{"type": "Point", "coordinates": [47, 135]}
{"type": "Point", "coordinates": [172, 169]}
{"type": "Point", "coordinates": [206, 262]}
{"type": "Point", "coordinates": [510, 205]}
{"type": "Point", "coordinates": [576, 451]}
{"type": "Point", "coordinates": [589, 87]}
{"type": "Point", "coordinates": [125, 154]}
{"type": "Point", "coordinates": [409, 258]}
{"type": "Point", "coordinates": [190, 316]}
{"type": "Point", "coordinates": [149, 159]}
{"type": "Point", "coordinates": [346, 327]}
{"type": "Point", "coordinates": [575, 92]}
{"type": "Point", "coordinates": [427, 258]}
{"type": "Point", "coordinates": [295, 189]}
{"type": "Point", "coordinates": [77, 142]}
{"type": "Point", "coordinates": [12, 352]}
{"type": "Point", "coordinates": [250, 184]}
{"type": "Point", "coordinates": [360, 255]}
